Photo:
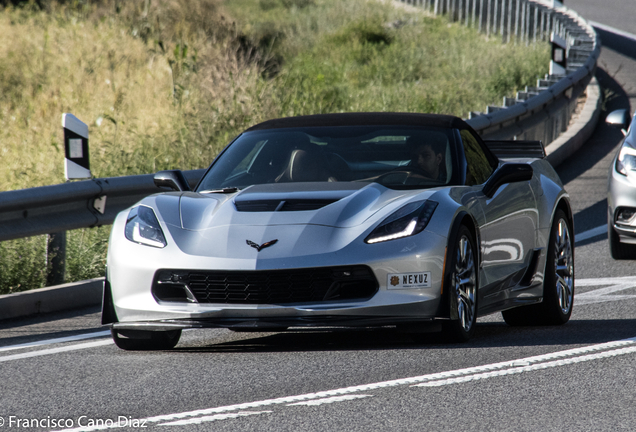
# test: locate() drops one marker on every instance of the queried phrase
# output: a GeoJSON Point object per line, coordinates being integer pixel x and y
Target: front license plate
{"type": "Point", "coordinates": [409, 280]}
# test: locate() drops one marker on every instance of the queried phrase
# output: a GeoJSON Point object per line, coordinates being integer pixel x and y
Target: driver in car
{"type": "Point", "coordinates": [427, 157]}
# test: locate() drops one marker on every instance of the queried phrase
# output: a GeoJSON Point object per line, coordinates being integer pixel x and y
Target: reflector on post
{"type": "Point", "coordinates": [76, 162]}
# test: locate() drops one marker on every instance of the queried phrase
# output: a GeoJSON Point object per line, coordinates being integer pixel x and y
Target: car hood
{"type": "Point", "coordinates": [304, 219]}
{"type": "Point", "coordinates": [338, 205]}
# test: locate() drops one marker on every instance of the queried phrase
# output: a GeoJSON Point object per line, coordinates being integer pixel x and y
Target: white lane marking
{"type": "Point", "coordinates": [200, 420]}
{"type": "Point", "coordinates": [316, 402]}
{"type": "Point", "coordinates": [607, 281]}
{"type": "Point", "coordinates": [590, 233]}
{"type": "Point", "coordinates": [56, 340]}
{"type": "Point", "coordinates": [56, 350]}
{"type": "Point", "coordinates": [606, 294]}
{"type": "Point", "coordinates": [530, 368]}
{"type": "Point", "coordinates": [626, 344]}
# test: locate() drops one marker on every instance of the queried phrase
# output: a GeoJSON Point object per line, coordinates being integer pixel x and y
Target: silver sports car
{"type": "Point", "coordinates": [359, 219]}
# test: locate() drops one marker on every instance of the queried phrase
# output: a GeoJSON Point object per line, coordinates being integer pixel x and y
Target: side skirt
{"type": "Point", "coordinates": [512, 291]}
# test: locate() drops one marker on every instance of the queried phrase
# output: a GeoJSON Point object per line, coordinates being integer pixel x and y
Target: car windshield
{"type": "Point", "coordinates": [401, 157]}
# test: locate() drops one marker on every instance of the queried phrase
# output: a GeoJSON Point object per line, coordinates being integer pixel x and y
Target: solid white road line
{"type": "Point", "coordinates": [56, 350]}
{"type": "Point", "coordinates": [560, 358]}
{"type": "Point", "coordinates": [316, 402]}
{"type": "Point", "coordinates": [606, 294]}
{"type": "Point", "coordinates": [56, 340]}
{"type": "Point", "coordinates": [200, 420]}
{"type": "Point", "coordinates": [531, 368]}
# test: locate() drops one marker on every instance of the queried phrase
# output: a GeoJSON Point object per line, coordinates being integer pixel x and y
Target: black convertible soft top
{"type": "Point", "coordinates": [363, 119]}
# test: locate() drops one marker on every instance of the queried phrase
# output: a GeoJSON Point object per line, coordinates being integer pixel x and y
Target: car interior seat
{"type": "Point", "coordinates": [305, 163]}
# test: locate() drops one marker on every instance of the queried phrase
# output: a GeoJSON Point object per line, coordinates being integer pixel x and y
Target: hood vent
{"type": "Point", "coordinates": [282, 205]}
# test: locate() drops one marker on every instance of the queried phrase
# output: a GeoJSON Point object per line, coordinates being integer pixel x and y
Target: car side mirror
{"type": "Point", "coordinates": [173, 179]}
{"type": "Point", "coordinates": [619, 118]}
{"type": "Point", "coordinates": [507, 173]}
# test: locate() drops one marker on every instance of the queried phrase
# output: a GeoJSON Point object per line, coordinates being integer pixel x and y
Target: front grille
{"type": "Point", "coordinates": [274, 286]}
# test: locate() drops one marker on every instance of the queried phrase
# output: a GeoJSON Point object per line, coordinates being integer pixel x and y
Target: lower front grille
{"type": "Point", "coordinates": [272, 286]}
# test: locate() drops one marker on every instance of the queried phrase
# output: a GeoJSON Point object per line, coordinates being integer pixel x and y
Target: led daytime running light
{"type": "Point", "coordinates": [408, 220]}
{"type": "Point", "coordinates": [143, 227]}
{"type": "Point", "coordinates": [136, 235]}
{"type": "Point", "coordinates": [405, 233]}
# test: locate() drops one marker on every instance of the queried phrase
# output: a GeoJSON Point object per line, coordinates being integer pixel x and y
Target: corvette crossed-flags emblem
{"type": "Point", "coordinates": [260, 247]}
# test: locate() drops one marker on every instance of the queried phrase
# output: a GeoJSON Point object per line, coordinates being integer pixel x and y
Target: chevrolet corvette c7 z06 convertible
{"type": "Point", "coordinates": [357, 219]}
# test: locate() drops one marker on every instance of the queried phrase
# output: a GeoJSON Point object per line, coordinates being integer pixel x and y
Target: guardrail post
{"type": "Point", "coordinates": [488, 16]}
{"type": "Point", "coordinates": [466, 12]}
{"type": "Point", "coordinates": [529, 23]}
{"type": "Point", "coordinates": [502, 22]}
{"type": "Point", "coordinates": [517, 9]}
{"type": "Point", "coordinates": [534, 24]}
{"type": "Point", "coordinates": [509, 26]}
{"type": "Point", "coordinates": [524, 9]}
{"type": "Point", "coordinates": [56, 258]}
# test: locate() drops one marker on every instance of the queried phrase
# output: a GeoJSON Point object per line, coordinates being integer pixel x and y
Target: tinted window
{"type": "Point", "coordinates": [395, 156]}
{"type": "Point", "coordinates": [478, 167]}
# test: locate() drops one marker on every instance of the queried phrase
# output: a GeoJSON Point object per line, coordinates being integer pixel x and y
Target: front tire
{"type": "Point", "coordinates": [142, 340]}
{"type": "Point", "coordinates": [462, 286]}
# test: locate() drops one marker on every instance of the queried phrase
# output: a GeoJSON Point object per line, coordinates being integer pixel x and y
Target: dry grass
{"type": "Point", "coordinates": [133, 77]}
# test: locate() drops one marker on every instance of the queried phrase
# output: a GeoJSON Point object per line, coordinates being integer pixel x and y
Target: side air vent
{"type": "Point", "coordinates": [282, 205]}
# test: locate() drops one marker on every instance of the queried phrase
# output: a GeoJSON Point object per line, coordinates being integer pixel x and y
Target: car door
{"type": "Point", "coordinates": [508, 234]}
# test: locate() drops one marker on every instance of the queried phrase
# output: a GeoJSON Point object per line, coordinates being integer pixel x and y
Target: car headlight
{"type": "Point", "coordinates": [143, 227]}
{"type": "Point", "coordinates": [626, 160]}
{"type": "Point", "coordinates": [407, 221]}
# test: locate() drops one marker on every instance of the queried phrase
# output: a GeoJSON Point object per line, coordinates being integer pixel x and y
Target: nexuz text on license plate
{"type": "Point", "coordinates": [409, 280]}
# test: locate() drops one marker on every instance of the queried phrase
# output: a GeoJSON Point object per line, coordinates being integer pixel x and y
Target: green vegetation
{"type": "Point", "coordinates": [166, 84]}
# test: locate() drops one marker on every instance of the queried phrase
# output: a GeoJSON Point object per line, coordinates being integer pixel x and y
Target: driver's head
{"type": "Point", "coordinates": [427, 154]}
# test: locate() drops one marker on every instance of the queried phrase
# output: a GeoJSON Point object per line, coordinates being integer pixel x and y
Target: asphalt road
{"type": "Point", "coordinates": [576, 377]}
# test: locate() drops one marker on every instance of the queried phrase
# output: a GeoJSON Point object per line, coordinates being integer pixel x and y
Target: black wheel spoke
{"type": "Point", "coordinates": [563, 264]}
{"type": "Point", "coordinates": [464, 281]}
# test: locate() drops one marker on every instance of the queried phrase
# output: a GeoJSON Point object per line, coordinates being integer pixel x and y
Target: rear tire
{"type": "Point", "coordinates": [143, 340]}
{"type": "Point", "coordinates": [558, 282]}
{"type": "Point", "coordinates": [462, 287]}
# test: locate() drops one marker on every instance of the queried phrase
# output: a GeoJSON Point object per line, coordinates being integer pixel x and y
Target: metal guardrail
{"type": "Point", "coordinates": [83, 204]}
{"type": "Point", "coordinates": [542, 112]}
